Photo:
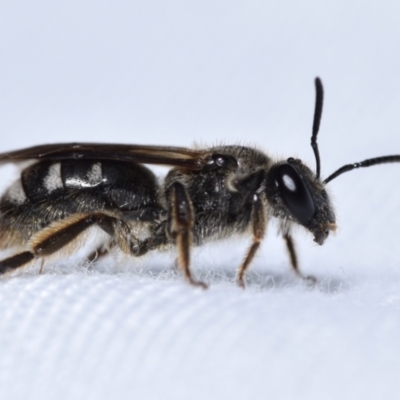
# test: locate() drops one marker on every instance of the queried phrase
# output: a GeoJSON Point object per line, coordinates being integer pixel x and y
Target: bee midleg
{"type": "Point", "coordinates": [259, 224]}
{"type": "Point", "coordinates": [100, 252]}
{"type": "Point", "coordinates": [293, 258]}
{"type": "Point", "coordinates": [155, 241]}
{"type": "Point", "coordinates": [181, 228]}
{"type": "Point", "coordinates": [61, 233]}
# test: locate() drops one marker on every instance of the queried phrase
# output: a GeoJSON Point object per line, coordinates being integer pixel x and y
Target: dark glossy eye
{"type": "Point", "coordinates": [294, 192]}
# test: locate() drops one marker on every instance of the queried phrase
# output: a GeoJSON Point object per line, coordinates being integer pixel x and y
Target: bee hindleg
{"type": "Point", "coordinates": [293, 259]}
{"type": "Point", "coordinates": [181, 229]}
{"type": "Point", "coordinates": [259, 224]}
{"type": "Point", "coordinates": [61, 233]}
{"type": "Point", "coordinates": [16, 261]}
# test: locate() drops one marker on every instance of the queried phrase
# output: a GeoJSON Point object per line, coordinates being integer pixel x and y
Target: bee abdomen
{"type": "Point", "coordinates": [51, 190]}
{"type": "Point", "coordinates": [119, 184]}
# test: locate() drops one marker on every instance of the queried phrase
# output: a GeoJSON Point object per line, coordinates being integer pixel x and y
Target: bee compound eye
{"type": "Point", "coordinates": [295, 193]}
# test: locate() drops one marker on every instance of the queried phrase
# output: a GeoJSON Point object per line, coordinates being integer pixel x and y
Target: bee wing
{"type": "Point", "coordinates": [163, 155]}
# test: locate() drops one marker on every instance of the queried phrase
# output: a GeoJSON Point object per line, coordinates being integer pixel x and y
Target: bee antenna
{"type": "Point", "coordinates": [366, 163]}
{"type": "Point", "coordinates": [319, 101]}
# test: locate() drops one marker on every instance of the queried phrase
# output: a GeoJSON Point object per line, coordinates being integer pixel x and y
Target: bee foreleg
{"type": "Point", "coordinates": [293, 259]}
{"type": "Point", "coordinates": [259, 224]}
{"type": "Point", "coordinates": [181, 229]}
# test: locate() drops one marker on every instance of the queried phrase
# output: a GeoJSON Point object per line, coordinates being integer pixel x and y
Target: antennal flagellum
{"type": "Point", "coordinates": [319, 100]}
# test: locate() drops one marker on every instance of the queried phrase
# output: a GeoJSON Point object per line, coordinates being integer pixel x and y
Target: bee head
{"type": "Point", "coordinates": [297, 195]}
{"type": "Point", "coordinates": [300, 194]}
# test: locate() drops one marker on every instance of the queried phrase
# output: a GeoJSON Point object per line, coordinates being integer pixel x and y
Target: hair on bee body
{"type": "Point", "coordinates": [208, 194]}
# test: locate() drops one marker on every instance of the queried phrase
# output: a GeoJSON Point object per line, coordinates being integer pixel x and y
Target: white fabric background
{"type": "Point", "coordinates": [181, 72]}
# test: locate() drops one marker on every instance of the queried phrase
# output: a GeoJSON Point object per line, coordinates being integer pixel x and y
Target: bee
{"type": "Point", "coordinates": [208, 194]}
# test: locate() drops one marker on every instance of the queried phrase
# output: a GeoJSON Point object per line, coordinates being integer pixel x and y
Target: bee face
{"type": "Point", "coordinates": [297, 195]}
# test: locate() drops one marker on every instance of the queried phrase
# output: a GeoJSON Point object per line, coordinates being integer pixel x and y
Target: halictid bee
{"type": "Point", "coordinates": [208, 194]}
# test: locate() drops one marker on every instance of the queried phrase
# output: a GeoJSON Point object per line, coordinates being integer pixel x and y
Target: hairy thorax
{"type": "Point", "coordinates": [220, 209]}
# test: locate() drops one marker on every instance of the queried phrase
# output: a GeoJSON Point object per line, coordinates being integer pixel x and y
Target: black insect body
{"type": "Point", "coordinates": [208, 194]}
